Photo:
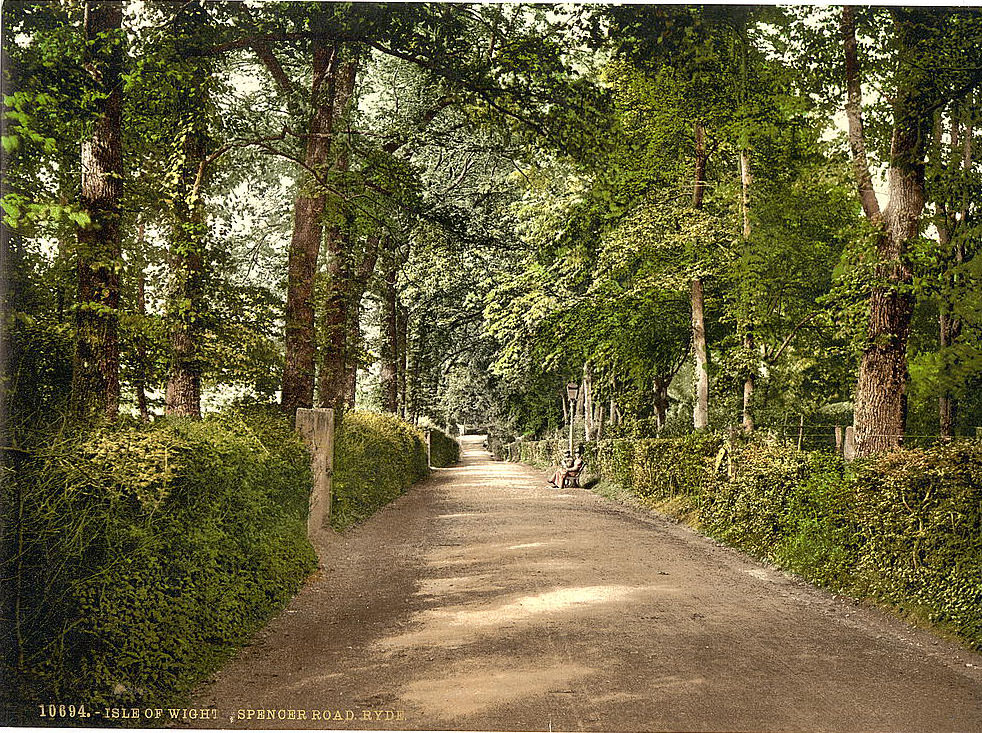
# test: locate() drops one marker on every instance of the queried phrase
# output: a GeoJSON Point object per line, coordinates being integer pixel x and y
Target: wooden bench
{"type": "Point", "coordinates": [572, 480]}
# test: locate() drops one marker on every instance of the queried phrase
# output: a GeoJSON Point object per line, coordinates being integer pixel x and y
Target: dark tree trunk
{"type": "Point", "coordinates": [949, 329]}
{"type": "Point", "coordinates": [308, 210]}
{"type": "Point", "coordinates": [389, 379]}
{"type": "Point", "coordinates": [402, 358]}
{"type": "Point", "coordinates": [335, 341]}
{"type": "Point", "coordinates": [953, 252]}
{"type": "Point", "coordinates": [95, 373]}
{"type": "Point", "coordinates": [748, 385]}
{"type": "Point", "coordinates": [334, 327]}
{"type": "Point", "coordinates": [748, 336]}
{"type": "Point", "coordinates": [140, 380]}
{"type": "Point", "coordinates": [351, 363]}
{"type": "Point", "coordinates": [186, 287]}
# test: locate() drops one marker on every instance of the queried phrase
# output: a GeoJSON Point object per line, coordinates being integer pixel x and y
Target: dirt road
{"type": "Point", "coordinates": [482, 600]}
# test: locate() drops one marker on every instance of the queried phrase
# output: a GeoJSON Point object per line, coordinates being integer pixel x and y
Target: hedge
{"type": "Point", "coordinates": [376, 458]}
{"type": "Point", "coordinates": [903, 529]}
{"type": "Point", "coordinates": [150, 553]}
{"type": "Point", "coordinates": [444, 450]}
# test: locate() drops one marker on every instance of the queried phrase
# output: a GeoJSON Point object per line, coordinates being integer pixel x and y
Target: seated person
{"type": "Point", "coordinates": [569, 469]}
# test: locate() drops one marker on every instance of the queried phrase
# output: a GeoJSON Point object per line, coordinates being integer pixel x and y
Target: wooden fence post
{"type": "Point", "coordinates": [317, 428]}
{"type": "Point", "coordinates": [838, 439]}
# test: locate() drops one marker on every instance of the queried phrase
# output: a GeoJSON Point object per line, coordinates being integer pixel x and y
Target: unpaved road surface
{"type": "Point", "coordinates": [482, 600]}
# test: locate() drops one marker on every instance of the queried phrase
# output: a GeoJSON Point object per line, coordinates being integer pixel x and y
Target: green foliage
{"type": "Point", "coordinates": [903, 529]}
{"type": "Point", "coordinates": [919, 542]}
{"type": "Point", "coordinates": [376, 458]}
{"type": "Point", "coordinates": [444, 450]}
{"type": "Point", "coordinates": [148, 554]}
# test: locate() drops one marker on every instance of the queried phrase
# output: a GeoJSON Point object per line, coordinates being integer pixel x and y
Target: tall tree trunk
{"type": "Point", "coordinates": [140, 380]}
{"type": "Point", "coordinates": [336, 317]}
{"type": "Point", "coordinates": [351, 359]}
{"type": "Point", "coordinates": [598, 419]}
{"type": "Point", "coordinates": [700, 415]}
{"type": "Point", "coordinates": [95, 368]}
{"type": "Point", "coordinates": [186, 287]}
{"type": "Point", "coordinates": [748, 333]}
{"type": "Point", "coordinates": [748, 383]}
{"type": "Point", "coordinates": [700, 412]}
{"type": "Point", "coordinates": [953, 249]}
{"type": "Point", "coordinates": [402, 357]}
{"type": "Point", "coordinates": [389, 379]}
{"type": "Point", "coordinates": [308, 211]}
{"type": "Point", "coordinates": [949, 329]}
{"type": "Point", "coordinates": [661, 401]}
{"type": "Point", "coordinates": [587, 390]}
{"type": "Point", "coordinates": [580, 404]}
{"type": "Point", "coordinates": [746, 178]}
{"type": "Point", "coordinates": [334, 328]}
{"type": "Point", "coordinates": [359, 284]}
{"type": "Point", "coordinates": [881, 388]}
{"type": "Point", "coordinates": [412, 367]}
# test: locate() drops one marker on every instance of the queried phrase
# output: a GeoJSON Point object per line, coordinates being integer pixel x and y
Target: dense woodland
{"type": "Point", "coordinates": [709, 216]}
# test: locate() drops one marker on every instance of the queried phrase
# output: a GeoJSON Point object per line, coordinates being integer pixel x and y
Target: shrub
{"type": "Point", "coordinates": [498, 446]}
{"type": "Point", "coordinates": [919, 519]}
{"type": "Point", "coordinates": [376, 458]}
{"type": "Point", "coordinates": [444, 450]}
{"type": "Point", "coordinates": [149, 553]}
{"type": "Point", "coordinates": [541, 453]}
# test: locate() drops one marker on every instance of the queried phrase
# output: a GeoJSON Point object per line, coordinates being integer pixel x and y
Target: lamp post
{"type": "Point", "coordinates": [572, 392]}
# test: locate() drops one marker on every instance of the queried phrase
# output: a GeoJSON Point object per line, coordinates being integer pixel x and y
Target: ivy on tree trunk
{"type": "Point", "coordinates": [95, 375]}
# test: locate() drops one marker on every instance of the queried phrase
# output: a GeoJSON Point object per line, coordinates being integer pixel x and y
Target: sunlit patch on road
{"type": "Point", "coordinates": [456, 625]}
{"type": "Point", "coordinates": [462, 694]}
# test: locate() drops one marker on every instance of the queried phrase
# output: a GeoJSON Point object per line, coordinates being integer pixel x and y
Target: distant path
{"type": "Point", "coordinates": [483, 601]}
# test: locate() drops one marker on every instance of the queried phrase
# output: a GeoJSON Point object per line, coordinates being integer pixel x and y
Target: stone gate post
{"type": "Point", "coordinates": [317, 428]}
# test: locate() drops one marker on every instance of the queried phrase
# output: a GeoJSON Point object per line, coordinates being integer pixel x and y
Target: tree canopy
{"type": "Point", "coordinates": [708, 216]}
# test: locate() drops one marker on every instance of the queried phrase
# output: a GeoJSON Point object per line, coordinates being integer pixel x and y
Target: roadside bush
{"type": "Point", "coordinates": [376, 458]}
{"type": "Point", "coordinates": [541, 453]}
{"type": "Point", "coordinates": [655, 468]}
{"type": "Point", "coordinates": [149, 553]}
{"type": "Point", "coordinates": [919, 519]}
{"type": "Point", "coordinates": [444, 450]}
{"type": "Point", "coordinates": [903, 529]}
{"type": "Point", "coordinates": [499, 446]}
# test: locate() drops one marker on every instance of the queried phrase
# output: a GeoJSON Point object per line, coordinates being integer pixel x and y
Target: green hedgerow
{"type": "Point", "coordinates": [149, 553]}
{"type": "Point", "coordinates": [376, 458]}
{"type": "Point", "coordinates": [444, 450]}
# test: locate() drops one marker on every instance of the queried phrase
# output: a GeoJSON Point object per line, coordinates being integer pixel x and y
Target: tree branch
{"type": "Point", "coordinates": [854, 114]}
{"type": "Point", "coordinates": [787, 339]}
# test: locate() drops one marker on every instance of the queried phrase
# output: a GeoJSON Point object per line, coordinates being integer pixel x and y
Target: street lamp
{"type": "Point", "coordinates": [572, 392]}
